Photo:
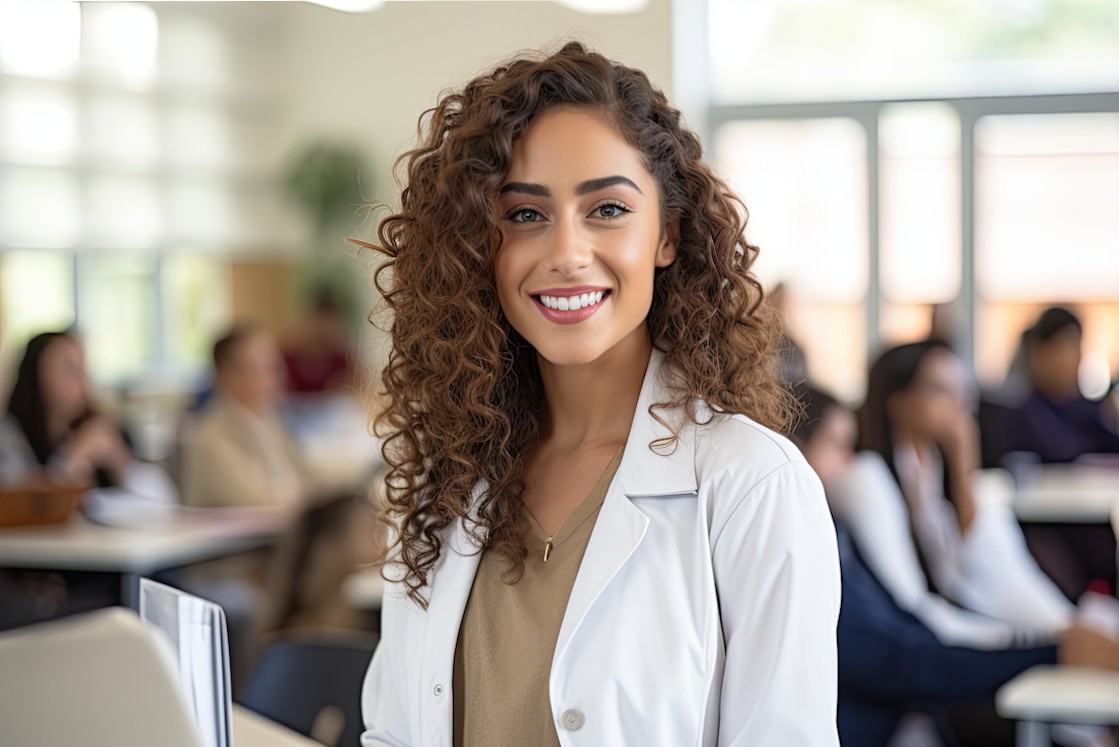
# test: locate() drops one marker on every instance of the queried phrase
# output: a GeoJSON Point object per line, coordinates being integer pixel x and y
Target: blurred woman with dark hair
{"type": "Point", "coordinates": [910, 502]}
{"type": "Point", "coordinates": [890, 662]}
{"type": "Point", "coordinates": [50, 428]}
{"type": "Point", "coordinates": [1056, 421]}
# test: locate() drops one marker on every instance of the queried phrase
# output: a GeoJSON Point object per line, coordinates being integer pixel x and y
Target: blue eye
{"type": "Point", "coordinates": [524, 215]}
{"type": "Point", "coordinates": [611, 210]}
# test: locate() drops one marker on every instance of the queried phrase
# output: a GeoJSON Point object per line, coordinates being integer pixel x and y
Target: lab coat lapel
{"type": "Point", "coordinates": [621, 526]}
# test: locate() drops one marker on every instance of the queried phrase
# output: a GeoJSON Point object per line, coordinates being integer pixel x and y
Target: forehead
{"type": "Point", "coordinates": [942, 366]}
{"type": "Point", "coordinates": [566, 145]}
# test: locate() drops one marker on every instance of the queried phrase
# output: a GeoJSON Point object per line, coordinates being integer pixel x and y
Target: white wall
{"type": "Point", "coordinates": [367, 77]}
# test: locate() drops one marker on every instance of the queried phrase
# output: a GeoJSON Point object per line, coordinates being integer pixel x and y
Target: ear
{"type": "Point", "coordinates": [669, 242]}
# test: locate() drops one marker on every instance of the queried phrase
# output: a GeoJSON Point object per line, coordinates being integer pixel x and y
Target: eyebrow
{"type": "Point", "coordinates": [591, 185]}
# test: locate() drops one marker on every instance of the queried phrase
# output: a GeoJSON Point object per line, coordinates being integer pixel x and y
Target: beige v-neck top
{"type": "Point", "coordinates": [508, 635]}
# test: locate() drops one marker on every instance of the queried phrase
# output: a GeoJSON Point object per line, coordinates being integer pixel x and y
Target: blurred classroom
{"type": "Point", "coordinates": [178, 180]}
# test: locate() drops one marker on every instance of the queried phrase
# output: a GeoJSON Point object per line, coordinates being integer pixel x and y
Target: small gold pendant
{"type": "Point", "coordinates": [547, 549]}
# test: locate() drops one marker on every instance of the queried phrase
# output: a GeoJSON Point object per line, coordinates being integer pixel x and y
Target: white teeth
{"type": "Point", "coordinates": [572, 303]}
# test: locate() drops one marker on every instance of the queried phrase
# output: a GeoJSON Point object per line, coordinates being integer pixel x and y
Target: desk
{"type": "Point", "coordinates": [1056, 694]}
{"type": "Point", "coordinates": [191, 536]}
{"type": "Point", "coordinates": [1069, 494]}
{"type": "Point", "coordinates": [252, 730]}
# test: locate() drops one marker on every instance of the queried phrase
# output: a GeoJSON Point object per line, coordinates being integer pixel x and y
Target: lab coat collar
{"type": "Point", "coordinates": [649, 469]}
{"type": "Point", "coordinates": [646, 469]}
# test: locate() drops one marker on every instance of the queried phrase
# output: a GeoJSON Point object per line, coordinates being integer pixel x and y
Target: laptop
{"type": "Point", "coordinates": [100, 679]}
{"type": "Point", "coordinates": [111, 679]}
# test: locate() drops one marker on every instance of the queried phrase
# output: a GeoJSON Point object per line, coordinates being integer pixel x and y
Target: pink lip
{"type": "Point", "coordinates": [567, 317]}
{"type": "Point", "coordinates": [576, 290]}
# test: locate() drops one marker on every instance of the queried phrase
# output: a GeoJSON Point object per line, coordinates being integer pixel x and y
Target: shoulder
{"type": "Point", "coordinates": [208, 428]}
{"type": "Point", "coordinates": [13, 441]}
{"type": "Point", "coordinates": [869, 466]}
{"type": "Point", "coordinates": [866, 489]}
{"type": "Point", "coordinates": [747, 472]}
{"type": "Point", "coordinates": [10, 429]}
{"type": "Point", "coordinates": [738, 449]}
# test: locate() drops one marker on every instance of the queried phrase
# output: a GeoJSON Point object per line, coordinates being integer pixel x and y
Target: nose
{"type": "Point", "coordinates": [569, 248]}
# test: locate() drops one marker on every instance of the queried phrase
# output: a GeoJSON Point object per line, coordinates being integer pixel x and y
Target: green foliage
{"type": "Point", "coordinates": [325, 180]}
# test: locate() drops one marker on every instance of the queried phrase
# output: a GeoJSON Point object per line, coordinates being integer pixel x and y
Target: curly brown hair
{"type": "Point", "coordinates": [463, 388]}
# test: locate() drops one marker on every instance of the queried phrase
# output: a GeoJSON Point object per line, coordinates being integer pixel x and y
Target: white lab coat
{"type": "Point", "coordinates": [704, 611]}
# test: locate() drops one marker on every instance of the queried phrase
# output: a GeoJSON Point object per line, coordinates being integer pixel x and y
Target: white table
{"type": "Point", "coordinates": [191, 536]}
{"type": "Point", "coordinates": [1058, 694]}
{"type": "Point", "coordinates": [253, 730]}
{"type": "Point", "coordinates": [1069, 494]}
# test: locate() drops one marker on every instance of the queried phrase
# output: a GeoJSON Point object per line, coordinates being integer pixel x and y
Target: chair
{"type": "Point", "coordinates": [305, 680]}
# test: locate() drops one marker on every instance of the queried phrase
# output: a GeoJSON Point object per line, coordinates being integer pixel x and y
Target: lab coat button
{"type": "Point", "coordinates": [572, 719]}
{"type": "Point", "coordinates": [438, 689]}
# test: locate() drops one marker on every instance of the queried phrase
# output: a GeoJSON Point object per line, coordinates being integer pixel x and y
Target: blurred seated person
{"type": "Point", "coordinates": [1056, 421]}
{"type": "Point", "coordinates": [50, 429]}
{"type": "Point", "coordinates": [50, 433]}
{"type": "Point", "coordinates": [333, 538]}
{"type": "Point", "coordinates": [236, 450]}
{"type": "Point", "coordinates": [320, 361]}
{"type": "Point", "coordinates": [910, 505]}
{"type": "Point", "coordinates": [890, 662]}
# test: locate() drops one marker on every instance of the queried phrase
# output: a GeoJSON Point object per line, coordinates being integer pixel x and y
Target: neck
{"type": "Point", "coordinates": [594, 402]}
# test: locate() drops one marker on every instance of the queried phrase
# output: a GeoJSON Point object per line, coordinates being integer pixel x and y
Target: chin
{"type": "Point", "coordinates": [568, 355]}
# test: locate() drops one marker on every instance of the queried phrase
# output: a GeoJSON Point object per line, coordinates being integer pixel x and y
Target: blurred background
{"type": "Point", "coordinates": [171, 171]}
{"type": "Point", "coordinates": [895, 157]}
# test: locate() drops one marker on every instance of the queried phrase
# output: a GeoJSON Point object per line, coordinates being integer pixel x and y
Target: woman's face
{"type": "Point", "coordinates": [63, 379]}
{"type": "Point", "coordinates": [582, 236]}
{"type": "Point", "coordinates": [936, 398]}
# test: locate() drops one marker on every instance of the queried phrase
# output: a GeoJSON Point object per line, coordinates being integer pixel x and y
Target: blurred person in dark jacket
{"type": "Point", "coordinates": [1056, 421]}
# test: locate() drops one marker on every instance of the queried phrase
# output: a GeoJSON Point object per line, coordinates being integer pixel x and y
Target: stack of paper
{"type": "Point", "coordinates": [196, 630]}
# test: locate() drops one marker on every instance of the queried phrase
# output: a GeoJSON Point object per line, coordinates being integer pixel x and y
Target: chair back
{"type": "Point", "coordinates": [311, 683]}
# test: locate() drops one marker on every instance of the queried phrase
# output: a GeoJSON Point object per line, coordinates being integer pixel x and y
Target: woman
{"type": "Point", "coordinates": [890, 663]}
{"type": "Point", "coordinates": [50, 429]}
{"type": "Point", "coordinates": [600, 541]}
{"type": "Point", "coordinates": [910, 503]}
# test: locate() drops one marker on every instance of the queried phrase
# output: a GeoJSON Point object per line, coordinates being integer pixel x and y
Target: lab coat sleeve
{"type": "Point", "coordinates": [777, 577]}
{"type": "Point", "coordinates": [384, 695]}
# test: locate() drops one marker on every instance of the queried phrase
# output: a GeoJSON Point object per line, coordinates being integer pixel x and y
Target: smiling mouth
{"type": "Point", "coordinates": [570, 309]}
{"type": "Point", "coordinates": [572, 303]}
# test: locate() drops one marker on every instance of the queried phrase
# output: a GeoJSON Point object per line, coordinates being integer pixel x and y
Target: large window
{"type": "Point", "coordinates": [1047, 231]}
{"type": "Point", "coordinates": [964, 218]}
{"type": "Point", "coordinates": [991, 180]}
{"type": "Point", "coordinates": [137, 143]}
{"type": "Point", "coordinates": [827, 50]}
{"type": "Point", "coordinates": [804, 184]}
